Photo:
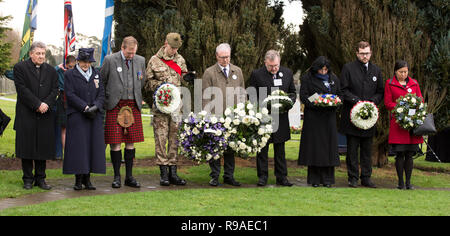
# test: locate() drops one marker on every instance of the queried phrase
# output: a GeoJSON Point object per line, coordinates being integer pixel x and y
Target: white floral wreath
{"type": "Point", "coordinates": [364, 109]}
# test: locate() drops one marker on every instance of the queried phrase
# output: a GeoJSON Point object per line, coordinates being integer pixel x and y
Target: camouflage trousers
{"type": "Point", "coordinates": [165, 130]}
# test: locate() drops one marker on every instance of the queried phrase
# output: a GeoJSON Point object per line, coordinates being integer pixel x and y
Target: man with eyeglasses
{"type": "Point", "coordinates": [223, 86]}
{"type": "Point", "coordinates": [271, 77]}
{"type": "Point", "coordinates": [361, 80]}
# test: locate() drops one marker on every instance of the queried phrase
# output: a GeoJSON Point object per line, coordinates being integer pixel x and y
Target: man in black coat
{"type": "Point", "coordinates": [37, 87]}
{"type": "Point", "coordinates": [360, 81]}
{"type": "Point", "coordinates": [266, 79]}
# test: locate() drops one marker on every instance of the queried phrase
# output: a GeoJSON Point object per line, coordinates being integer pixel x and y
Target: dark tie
{"type": "Point", "coordinates": [127, 63]}
{"type": "Point", "coordinates": [225, 72]}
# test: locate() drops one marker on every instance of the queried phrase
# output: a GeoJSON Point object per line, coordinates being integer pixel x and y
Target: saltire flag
{"type": "Point", "coordinates": [106, 41]}
{"type": "Point", "coordinates": [29, 26]}
{"type": "Point", "coordinates": [69, 30]}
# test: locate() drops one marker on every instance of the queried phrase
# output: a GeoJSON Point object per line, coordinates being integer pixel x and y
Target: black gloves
{"type": "Point", "coordinates": [91, 112]}
{"type": "Point", "coordinates": [189, 77]}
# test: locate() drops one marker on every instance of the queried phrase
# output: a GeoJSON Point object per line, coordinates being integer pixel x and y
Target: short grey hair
{"type": "Point", "coordinates": [272, 54]}
{"type": "Point", "coordinates": [37, 44]}
{"type": "Point", "coordinates": [223, 47]}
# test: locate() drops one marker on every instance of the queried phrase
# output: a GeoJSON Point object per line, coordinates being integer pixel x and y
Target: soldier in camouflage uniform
{"type": "Point", "coordinates": [164, 67]}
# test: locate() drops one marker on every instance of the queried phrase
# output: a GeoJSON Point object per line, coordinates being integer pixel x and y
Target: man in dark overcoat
{"type": "Point", "coordinates": [271, 77]}
{"type": "Point", "coordinates": [37, 87]}
{"type": "Point", "coordinates": [360, 80]}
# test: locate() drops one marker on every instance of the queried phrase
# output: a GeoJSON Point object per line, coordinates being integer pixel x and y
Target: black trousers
{"type": "Point", "coordinates": [262, 161]}
{"type": "Point", "coordinates": [365, 147]}
{"type": "Point", "coordinates": [228, 166]}
{"type": "Point", "coordinates": [39, 170]}
{"type": "Point", "coordinates": [321, 175]}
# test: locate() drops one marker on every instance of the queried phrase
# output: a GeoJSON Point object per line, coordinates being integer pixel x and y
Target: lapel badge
{"type": "Point", "coordinates": [409, 90]}
{"type": "Point", "coordinates": [234, 77]}
{"type": "Point", "coordinates": [119, 69]}
{"type": "Point", "coordinates": [96, 76]}
{"type": "Point", "coordinates": [374, 79]}
{"type": "Point", "coordinates": [280, 74]}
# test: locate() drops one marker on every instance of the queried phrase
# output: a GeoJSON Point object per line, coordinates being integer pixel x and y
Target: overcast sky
{"type": "Point", "coordinates": [88, 17]}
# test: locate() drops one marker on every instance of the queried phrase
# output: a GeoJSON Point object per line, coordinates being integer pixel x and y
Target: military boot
{"type": "Point", "coordinates": [174, 178]}
{"type": "Point", "coordinates": [164, 180]}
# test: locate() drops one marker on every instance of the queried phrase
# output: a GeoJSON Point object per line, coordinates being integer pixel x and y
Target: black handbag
{"type": "Point", "coordinates": [4, 120]}
{"type": "Point", "coordinates": [427, 127]}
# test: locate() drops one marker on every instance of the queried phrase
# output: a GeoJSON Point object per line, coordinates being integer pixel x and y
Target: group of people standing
{"type": "Point", "coordinates": [360, 80]}
{"type": "Point", "coordinates": [103, 106]}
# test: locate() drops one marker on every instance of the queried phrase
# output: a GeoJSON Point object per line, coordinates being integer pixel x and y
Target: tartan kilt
{"type": "Point", "coordinates": [114, 132]}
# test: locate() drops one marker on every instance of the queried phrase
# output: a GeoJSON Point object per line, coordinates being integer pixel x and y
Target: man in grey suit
{"type": "Point", "coordinates": [123, 74]}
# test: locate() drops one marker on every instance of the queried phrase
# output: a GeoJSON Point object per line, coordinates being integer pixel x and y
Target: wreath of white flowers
{"type": "Point", "coordinates": [279, 100]}
{"type": "Point", "coordinates": [170, 105]}
{"type": "Point", "coordinates": [248, 130]}
{"type": "Point", "coordinates": [364, 115]}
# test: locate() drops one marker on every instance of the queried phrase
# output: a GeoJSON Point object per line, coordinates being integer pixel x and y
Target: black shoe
{"type": "Point", "coordinates": [409, 187]}
{"type": "Point", "coordinates": [214, 182]}
{"type": "Point", "coordinates": [87, 182]}
{"type": "Point", "coordinates": [78, 183]}
{"type": "Point", "coordinates": [43, 185]}
{"type": "Point", "coordinates": [315, 185]}
{"type": "Point", "coordinates": [353, 183]}
{"type": "Point", "coordinates": [327, 185]}
{"type": "Point", "coordinates": [174, 178]}
{"type": "Point", "coordinates": [284, 182]}
{"type": "Point", "coordinates": [116, 182]}
{"type": "Point", "coordinates": [28, 185]}
{"type": "Point", "coordinates": [231, 181]}
{"type": "Point", "coordinates": [262, 181]}
{"type": "Point", "coordinates": [164, 176]}
{"type": "Point", "coordinates": [131, 182]}
{"type": "Point", "coordinates": [368, 183]}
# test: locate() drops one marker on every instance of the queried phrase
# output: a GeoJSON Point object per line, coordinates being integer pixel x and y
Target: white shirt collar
{"type": "Point", "coordinates": [228, 68]}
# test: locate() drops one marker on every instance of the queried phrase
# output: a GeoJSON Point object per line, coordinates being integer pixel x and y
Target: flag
{"type": "Point", "coordinates": [69, 30]}
{"type": "Point", "coordinates": [29, 26]}
{"type": "Point", "coordinates": [106, 41]}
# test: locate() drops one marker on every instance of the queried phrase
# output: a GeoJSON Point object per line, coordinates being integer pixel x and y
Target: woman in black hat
{"type": "Point", "coordinates": [85, 145]}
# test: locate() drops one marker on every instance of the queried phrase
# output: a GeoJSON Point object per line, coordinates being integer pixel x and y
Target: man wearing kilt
{"type": "Point", "coordinates": [123, 73]}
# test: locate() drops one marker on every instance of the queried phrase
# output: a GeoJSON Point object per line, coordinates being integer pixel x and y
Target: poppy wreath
{"type": "Point", "coordinates": [167, 98]}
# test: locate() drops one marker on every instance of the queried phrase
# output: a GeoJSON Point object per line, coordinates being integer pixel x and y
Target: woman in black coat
{"type": "Point", "coordinates": [85, 145]}
{"type": "Point", "coordinates": [319, 141]}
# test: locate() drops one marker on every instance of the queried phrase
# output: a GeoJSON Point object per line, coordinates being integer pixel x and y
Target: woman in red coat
{"type": "Point", "coordinates": [403, 142]}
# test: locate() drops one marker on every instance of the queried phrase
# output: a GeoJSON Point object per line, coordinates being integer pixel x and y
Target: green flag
{"type": "Point", "coordinates": [29, 26]}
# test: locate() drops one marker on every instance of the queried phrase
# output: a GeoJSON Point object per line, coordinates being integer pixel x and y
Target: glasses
{"type": "Point", "coordinates": [273, 66]}
{"type": "Point", "coordinates": [224, 58]}
{"type": "Point", "coordinates": [365, 54]}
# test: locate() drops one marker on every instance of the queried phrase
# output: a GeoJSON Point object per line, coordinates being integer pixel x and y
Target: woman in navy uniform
{"type": "Point", "coordinates": [85, 145]}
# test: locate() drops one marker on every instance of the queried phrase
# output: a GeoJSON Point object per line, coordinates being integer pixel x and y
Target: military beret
{"type": "Point", "coordinates": [174, 40]}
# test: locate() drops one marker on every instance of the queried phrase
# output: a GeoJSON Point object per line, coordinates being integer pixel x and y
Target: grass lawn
{"type": "Point", "coordinates": [296, 201]}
